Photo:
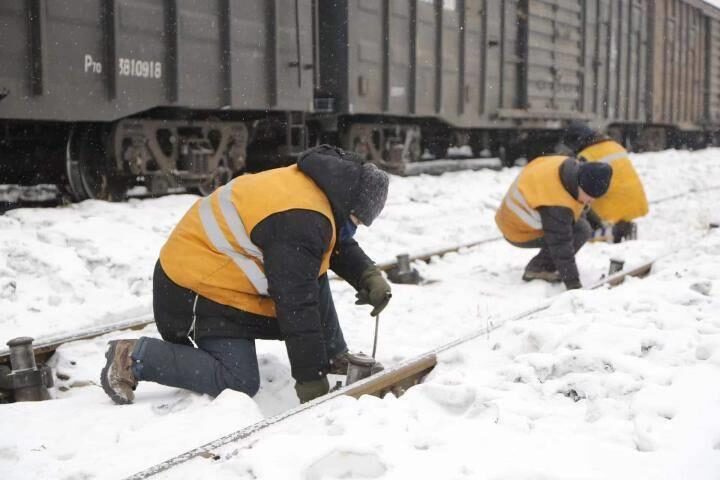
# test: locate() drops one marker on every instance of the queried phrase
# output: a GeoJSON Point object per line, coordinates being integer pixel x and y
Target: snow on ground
{"type": "Point", "coordinates": [621, 383]}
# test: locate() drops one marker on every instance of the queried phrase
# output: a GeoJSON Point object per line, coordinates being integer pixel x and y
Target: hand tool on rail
{"type": "Point", "coordinates": [377, 327]}
{"type": "Point", "coordinates": [361, 366]}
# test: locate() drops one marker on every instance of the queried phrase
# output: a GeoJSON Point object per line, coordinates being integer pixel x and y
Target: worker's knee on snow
{"type": "Point", "coordinates": [246, 382]}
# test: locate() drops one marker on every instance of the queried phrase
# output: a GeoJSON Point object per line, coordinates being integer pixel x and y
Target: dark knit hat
{"type": "Point", "coordinates": [594, 178]}
{"type": "Point", "coordinates": [578, 136]}
{"type": "Point", "coordinates": [371, 193]}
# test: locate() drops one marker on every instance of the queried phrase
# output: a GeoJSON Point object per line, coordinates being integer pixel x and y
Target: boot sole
{"type": "Point", "coordinates": [105, 381]}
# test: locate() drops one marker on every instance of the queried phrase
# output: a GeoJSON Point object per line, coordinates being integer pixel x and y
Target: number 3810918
{"type": "Point", "coordinates": [129, 67]}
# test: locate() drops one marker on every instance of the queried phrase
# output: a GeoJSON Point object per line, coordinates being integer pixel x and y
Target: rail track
{"type": "Point", "coordinates": [396, 380]}
{"type": "Point", "coordinates": [45, 347]}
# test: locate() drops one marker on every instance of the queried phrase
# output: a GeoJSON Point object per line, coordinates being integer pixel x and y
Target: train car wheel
{"type": "Point", "coordinates": [220, 177]}
{"type": "Point", "coordinates": [89, 170]}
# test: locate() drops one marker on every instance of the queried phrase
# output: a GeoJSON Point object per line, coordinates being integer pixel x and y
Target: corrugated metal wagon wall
{"type": "Point", "coordinates": [712, 97]}
{"type": "Point", "coordinates": [501, 58]}
{"type": "Point", "coordinates": [553, 72]}
{"type": "Point", "coordinates": [101, 60]}
{"type": "Point", "coordinates": [620, 55]}
{"type": "Point", "coordinates": [566, 59]}
{"type": "Point", "coordinates": [678, 75]}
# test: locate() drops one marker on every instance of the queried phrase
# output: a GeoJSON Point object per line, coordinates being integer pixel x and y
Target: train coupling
{"type": "Point", "coordinates": [403, 273]}
{"type": "Point", "coordinates": [24, 381]}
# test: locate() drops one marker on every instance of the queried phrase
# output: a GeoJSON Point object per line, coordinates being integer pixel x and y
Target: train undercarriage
{"type": "Point", "coordinates": [106, 161]}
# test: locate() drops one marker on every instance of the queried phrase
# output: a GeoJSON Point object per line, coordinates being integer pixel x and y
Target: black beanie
{"type": "Point", "coordinates": [594, 178]}
{"type": "Point", "coordinates": [371, 194]}
{"type": "Point", "coordinates": [578, 136]}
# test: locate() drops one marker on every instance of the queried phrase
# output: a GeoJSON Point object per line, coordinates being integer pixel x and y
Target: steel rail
{"type": "Point", "coordinates": [408, 372]}
{"type": "Point", "coordinates": [46, 346]}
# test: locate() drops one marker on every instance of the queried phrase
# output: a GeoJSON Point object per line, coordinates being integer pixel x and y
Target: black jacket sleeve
{"type": "Point", "coordinates": [350, 261]}
{"type": "Point", "coordinates": [557, 224]}
{"type": "Point", "coordinates": [293, 243]}
{"type": "Point", "coordinates": [595, 220]}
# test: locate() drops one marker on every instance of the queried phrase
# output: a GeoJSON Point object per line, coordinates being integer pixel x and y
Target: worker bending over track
{"type": "Point", "coordinates": [612, 215]}
{"type": "Point", "coordinates": [544, 209]}
{"type": "Point", "coordinates": [250, 262]}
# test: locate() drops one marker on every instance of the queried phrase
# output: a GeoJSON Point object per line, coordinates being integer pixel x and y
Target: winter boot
{"type": "Point", "coordinates": [117, 378]}
{"type": "Point", "coordinates": [552, 277]}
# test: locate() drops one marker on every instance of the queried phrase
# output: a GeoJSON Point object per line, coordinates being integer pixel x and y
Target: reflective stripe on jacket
{"type": "Point", "coordinates": [210, 251]}
{"type": "Point", "coordinates": [538, 185]}
{"type": "Point", "coordinates": [625, 199]}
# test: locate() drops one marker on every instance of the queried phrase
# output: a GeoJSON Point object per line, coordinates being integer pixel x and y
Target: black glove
{"type": "Point", "coordinates": [624, 231]}
{"type": "Point", "coordinates": [374, 290]}
{"type": "Point", "coordinates": [604, 233]}
{"type": "Point", "coordinates": [307, 391]}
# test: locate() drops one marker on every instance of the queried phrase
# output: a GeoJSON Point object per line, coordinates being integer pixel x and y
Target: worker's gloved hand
{"type": "Point", "coordinates": [573, 284]}
{"type": "Point", "coordinates": [603, 233]}
{"type": "Point", "coordinates": [307, 391]}
{"type": "Point", "coordinates": [374, 290]}
{"type": "Point", "coordinates": [624, 231]}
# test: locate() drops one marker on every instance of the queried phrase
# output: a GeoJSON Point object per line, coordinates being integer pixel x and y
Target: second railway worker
{"type": "Point", "coordinates": [250, 262]}
{"type": "Point", "coordinates": [544, 209]}
{"type": "Point", "coordinates": [612, 215]}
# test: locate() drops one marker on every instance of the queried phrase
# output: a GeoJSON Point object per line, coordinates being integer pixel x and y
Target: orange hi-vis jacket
{"type": "Point", "coordinates": [210, 251]}
{"type": "Point", "coordinates": [538, 185]}
{"type": "Point", "coordinates": [625, 199]}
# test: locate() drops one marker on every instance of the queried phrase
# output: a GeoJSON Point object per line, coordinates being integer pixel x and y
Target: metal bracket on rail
{"type": "Point", "coordinates": [403, 273]}
{"type": "Point", "coordinates": [23, 381]}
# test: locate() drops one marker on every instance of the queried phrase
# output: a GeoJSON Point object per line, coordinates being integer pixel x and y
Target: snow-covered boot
{"type": "Point", "coordinates": [117, 378]}
{"type": "Point", "coordinates": [552, 277]}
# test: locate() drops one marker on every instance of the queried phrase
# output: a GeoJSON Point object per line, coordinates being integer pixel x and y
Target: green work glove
{"type": "Point", "coordinates": [374, 290]}
{"type": "Point", "coordinates": [307, 391]}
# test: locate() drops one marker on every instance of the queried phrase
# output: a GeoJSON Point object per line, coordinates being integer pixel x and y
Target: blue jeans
{"type": "Point", "coordinates": [220, 362]}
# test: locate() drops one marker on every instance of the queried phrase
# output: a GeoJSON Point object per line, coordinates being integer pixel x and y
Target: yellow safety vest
{"type": "Point", "coordinates": [625, 199]}
{"type": "Point", "coordinates": [210, 251]}
{"type": "Point", "coordinates": [538, 185]}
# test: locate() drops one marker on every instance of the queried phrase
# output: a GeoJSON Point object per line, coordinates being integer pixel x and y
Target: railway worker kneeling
{"type": "Point", "coordinates": [544, 209]}
{"type": "Point", "coordinates": [250, 262]}
{"type": "Point", "coordinates": [611, 216]}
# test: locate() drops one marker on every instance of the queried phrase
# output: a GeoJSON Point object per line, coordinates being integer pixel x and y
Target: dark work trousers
{"type": "Point", "coordinates": [543, 262]}
{"type": "Point", "coordinates": [220, 362]}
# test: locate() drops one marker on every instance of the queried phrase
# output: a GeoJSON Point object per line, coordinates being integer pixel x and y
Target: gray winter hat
{"type": "Point", "coordinates": [371, 193]}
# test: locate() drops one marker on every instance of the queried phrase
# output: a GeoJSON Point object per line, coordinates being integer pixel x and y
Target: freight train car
{"type": "Point", "coordinates": [501, 75]}
{"type": "Point", "coordinates": [168, 93]}
{"type": "Point", "coordinates": [161, 91]}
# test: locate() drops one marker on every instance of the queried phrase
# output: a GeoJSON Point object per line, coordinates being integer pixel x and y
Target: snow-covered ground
{"type": "Point", "coordinates": [621, 383]}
